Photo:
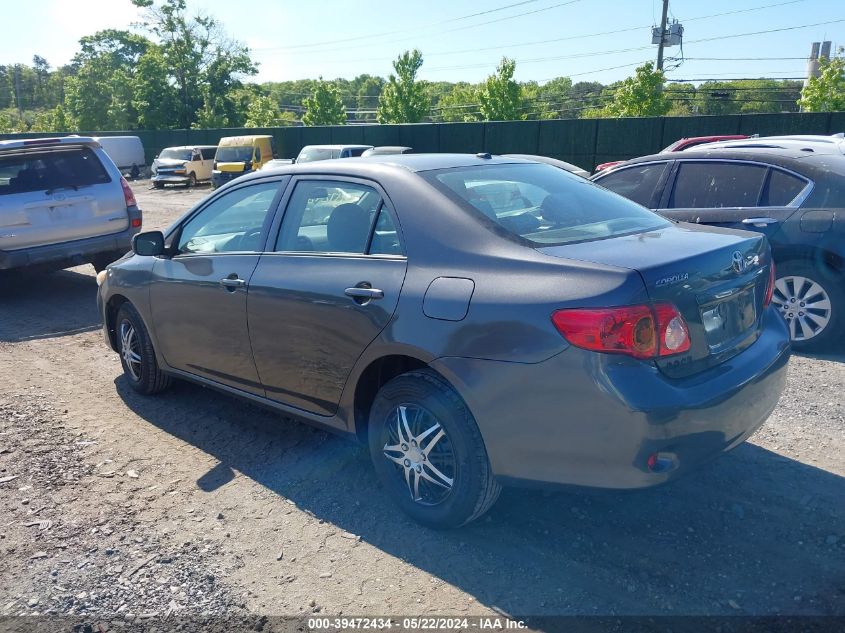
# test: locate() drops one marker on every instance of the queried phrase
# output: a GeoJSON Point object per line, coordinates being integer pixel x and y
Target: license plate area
{"type": "Point", "coordinates": [726, 319]}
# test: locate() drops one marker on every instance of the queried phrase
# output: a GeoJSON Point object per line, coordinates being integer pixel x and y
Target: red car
{"type": "Point", "coordinates": [680, 145]}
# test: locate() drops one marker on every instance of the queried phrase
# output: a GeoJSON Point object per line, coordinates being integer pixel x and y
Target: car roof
{"type": "Point", "coordinates": [336, 147]}
{"type": "Point", "coordinates": [373, 165]}
{"type": "Point", "coordinates": [787, 157]}
{"type": "Point", "coordinates": [389, 149]}
{"type": "Point", "coordinates": [189, 147]}
{"type": "Point", "coordinates": [23, 143]}
{"type": "Point", "coordinates": [834, 144]}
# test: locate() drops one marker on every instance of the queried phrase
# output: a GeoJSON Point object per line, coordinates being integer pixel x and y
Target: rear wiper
{"type": "Point", "coordinates": [55, 189]}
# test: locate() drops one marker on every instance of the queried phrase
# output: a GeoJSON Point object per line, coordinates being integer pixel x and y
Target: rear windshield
{"type": "Point", "coordinates": [49, 169]}
{"type": "Point", "coordinates": [234, 154]}
{"type": "Point", "coordinates": [542, 204]}
{"type": "Point", "coordinates": [175, 154]}
{"type": "Point", "coordinates": [309, 155]}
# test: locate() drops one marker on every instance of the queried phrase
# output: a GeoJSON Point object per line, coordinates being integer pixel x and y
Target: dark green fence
{"type": "Point", "coordinates": [584, 142]}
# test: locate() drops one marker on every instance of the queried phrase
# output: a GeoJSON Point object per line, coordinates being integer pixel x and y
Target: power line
{"type": "Point", "coordinates": [639, 48]}
{"type": "Point", "coordinates": [430, 25]}
{"type": "Point", "coordinates": [555, 40]}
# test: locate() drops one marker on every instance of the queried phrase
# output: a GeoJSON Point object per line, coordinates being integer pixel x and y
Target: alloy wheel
{"type": "Point", "coordinates": [420, 448]}
{"type": "Point", "coordinates": [804, 304]}
{"type": "Point", "coordinates": [129, 349]}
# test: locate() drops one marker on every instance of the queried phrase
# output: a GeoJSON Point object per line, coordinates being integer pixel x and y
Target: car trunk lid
{"type": "Point", "coordinates": [716, 278]}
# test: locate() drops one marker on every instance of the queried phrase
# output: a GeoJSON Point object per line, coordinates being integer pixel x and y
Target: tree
{"type": "Point", "coordinates": [826, 93]}
{"type": "Point", "coordinates": [54, 120]}
{"type": "Point", "coordinates": [404, 99]}
{"type": "Point", "coordinates": [154, 97]}
{"type": "Point", "coordinates": [500, 96]}
{"type": "Point", "coordinates": [263, 111]}
{"type": "Point", "coordinates": [99, 95]}
{"type": "Point", "coordinates": [638, 96]}
{"type": "Point", "coordinates": [460, 105]}
{"type": "Point", "coordinates": [324, 107]}
{"type": "Point", "coordinates": [368, 95]}
{"type": "Point", "coordinates": [203, 63]}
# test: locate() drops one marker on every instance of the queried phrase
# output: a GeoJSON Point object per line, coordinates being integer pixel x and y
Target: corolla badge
{"type": "Point", "coordinates": [672, 279]}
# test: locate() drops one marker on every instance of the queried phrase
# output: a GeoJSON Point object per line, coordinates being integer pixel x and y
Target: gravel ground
{"type": "Point", "coordinates": [195, 503]}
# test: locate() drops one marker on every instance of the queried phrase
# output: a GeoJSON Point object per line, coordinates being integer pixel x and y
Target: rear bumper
{"type": "Point", "coordinates": [66, 254]}
{"type": "Point", "coordinates": [588, 419]}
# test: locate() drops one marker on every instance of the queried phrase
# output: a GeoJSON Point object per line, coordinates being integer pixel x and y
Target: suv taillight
{"type": "Point", "coordinates": [770, 285]}
{"type": "Point", "coordinates": [128, 196]}
{"type": "Point", "coordinates": [641, 331]}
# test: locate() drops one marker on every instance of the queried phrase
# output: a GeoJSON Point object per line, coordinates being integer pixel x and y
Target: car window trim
{"type": "Point", "coordinates": [281, 211]}
{"type": "Point", "coordinates": [175, 233]}
{"type": "Point", "coordinates": [794, 204]}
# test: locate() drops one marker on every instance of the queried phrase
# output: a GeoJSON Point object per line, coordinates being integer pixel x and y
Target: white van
{"type": "Point", "coordinates": [127, 152]}
{"type": "Point", "coordinates": [186, 165]}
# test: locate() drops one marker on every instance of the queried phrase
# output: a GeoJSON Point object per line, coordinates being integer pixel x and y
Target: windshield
{"type": "Point", "coordinates": [234, 154]}
{"type": "Point", "coordinates": [308, 155]}
{"type": "Point", "coordinates": [175, 154]}
{"type": "Point", "coordinates": [542, 204]}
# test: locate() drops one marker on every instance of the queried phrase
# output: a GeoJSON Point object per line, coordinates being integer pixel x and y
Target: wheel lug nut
{"type": "Point", "coordinates": [407, 462]}
{"type": "Point", "coordinates": [419, 469]}
{"type": "Point", "coordinates": [423, 457]}
{"type": "Point", "coordinates": [413, 442]}
{"type": "Point", "coordinates": [404, 447]}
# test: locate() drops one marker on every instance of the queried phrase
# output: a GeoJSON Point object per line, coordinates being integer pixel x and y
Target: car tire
{"type": "Point", "coordinates": [447, 480]}
{"type": "Point", "coordinates": [137, 355]}
{"type": "Point", "coordinates": [812, 301]}
{"type": "Point", "coordinates": [192, 180]}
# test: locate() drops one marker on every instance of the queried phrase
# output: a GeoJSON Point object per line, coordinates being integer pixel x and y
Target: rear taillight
{"type": "Point", "coordinates": [770, 286]}
{"type": "Point", "coordinates": [641, 331]}
{"type": "Point", "coordinates": [128, 196]}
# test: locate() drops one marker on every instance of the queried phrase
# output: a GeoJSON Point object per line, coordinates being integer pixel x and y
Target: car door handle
{"type": "Point", "coordinates": [760, 221]}
{"type": "Point", "coordinates": [364, 293]}
{"type": "Point", "coordinates": [230, 283]}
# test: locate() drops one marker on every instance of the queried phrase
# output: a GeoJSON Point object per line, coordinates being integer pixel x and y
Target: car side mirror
{"type": "Point", "coordinates": [149, 243]}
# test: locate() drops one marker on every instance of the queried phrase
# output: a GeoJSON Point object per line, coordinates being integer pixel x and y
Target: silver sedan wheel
{"type": "Point", "coordinates": [130, 350]}
{"type": "Point", "coordinates": [804, 304]}
{"type": "Point", "coordinates": [422, 452]}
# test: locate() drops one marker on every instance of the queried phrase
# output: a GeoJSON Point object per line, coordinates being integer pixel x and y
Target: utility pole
{"type": "Point", "coordinates": [662, 34]}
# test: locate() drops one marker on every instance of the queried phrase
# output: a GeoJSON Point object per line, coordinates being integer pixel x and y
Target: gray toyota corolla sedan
{"type": "Point", "coordinates": [475, 320]}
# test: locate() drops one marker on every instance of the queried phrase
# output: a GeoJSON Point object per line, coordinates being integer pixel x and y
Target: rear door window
{"type": "Point", "coordinates": [715, 185]}
{"type": "Point", "coordinates": [638, 183]}
{"type": "Point", "coordinates": [781, 189]}
{"type": "Point", "coordinates": [48, 169]}
{"type": "Point", "coordinates": [543, 204]}
{"type": "Point", "coordinates": [330, 217]}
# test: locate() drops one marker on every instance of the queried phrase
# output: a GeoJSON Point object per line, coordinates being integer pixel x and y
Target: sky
{"type": "Point", "coordinates": [463, 40]}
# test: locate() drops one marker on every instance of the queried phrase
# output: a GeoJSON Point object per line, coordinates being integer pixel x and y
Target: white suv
{"type": "Point", "coordinates": [63, 203]}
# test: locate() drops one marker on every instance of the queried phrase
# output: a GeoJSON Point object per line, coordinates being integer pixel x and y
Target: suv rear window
{"type": "Point", "coordinates": [47, 169]}
{"type": "Point", "coordinates": [543, 204]}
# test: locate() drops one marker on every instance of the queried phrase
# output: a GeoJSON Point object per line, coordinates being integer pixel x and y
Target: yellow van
{"type": "Point", "coordinates": [239, 155]}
